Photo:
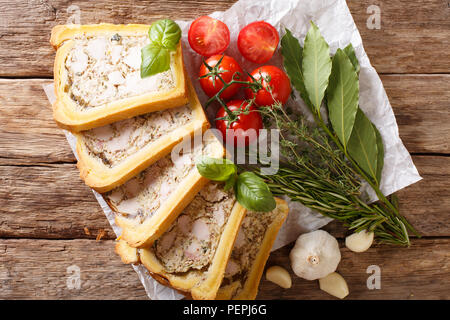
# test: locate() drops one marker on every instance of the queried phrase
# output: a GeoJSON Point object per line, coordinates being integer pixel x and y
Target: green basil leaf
{"type": "Point", "coordinates": [316, 66]}
{"type": "Point", "coordinates": [216, 169]}
{"type": "Point", "coordinates": [350, 52]}
{"type": "Point", "coordinates": [253, 193]}
{"type": "Point", "coordinates": [380, 158]}
{"type": "Point", "coordinates": [230, 182]}
{"type": "Point", "coordinates": [154, 59]}
{"type": "Point", "coordinates": [342, 96]}
{"type": "Point", "coordinates": [292, 60]}
{"type": "Point", "coordinates": [362, 145]}
{"type": "Point", "coordinates": [165, 33]}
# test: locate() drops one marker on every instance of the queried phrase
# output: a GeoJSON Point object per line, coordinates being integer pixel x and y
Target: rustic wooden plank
{"type": "Point", "coordinates": [102, 274]}
{"type": "Point", "coordinates": [414, 273]}
{"type": "Point", "coordinates": [28, 134]}
{"type": "Point", "coordinates": [418, 272]}
{"type": "Point", "coordinates": [426, 204]}
{"type": "Point", "coordinates": [422, 108]}
{"type": "Point", "coordinates": [413, 38]}
{"type": "Point", "coordinates": [52, 202]}
{"type": "Point", "coordinates": [48, 202]}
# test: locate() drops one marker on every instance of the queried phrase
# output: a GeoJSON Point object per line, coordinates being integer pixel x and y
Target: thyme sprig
{"type": "Point", "coordinates": [318, 174]}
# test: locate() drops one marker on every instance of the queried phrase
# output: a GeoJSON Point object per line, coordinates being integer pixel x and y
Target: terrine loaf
{"type": "Point", "coordinates": [97, 76]}
{"type": "Point", "coordinates": [110, 155]}
{"type": "Point", "coordinates": [196, 255]}
{"type": "Point", "coordinates": [250, 253]}
{"type": "Point", "coordinates": [146, 205]}
{"type": "Point", "coordinates": [192, 254]}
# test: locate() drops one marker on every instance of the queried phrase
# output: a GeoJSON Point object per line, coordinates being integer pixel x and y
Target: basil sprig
{"type": "Point", "coordinates": [165, 33]}
{"type": "Point", "coordinates": [155, 57]}
{"type": "Point", "coordinates": [251, 191]}
{"type": "Point", "coordinates": [216, 169]}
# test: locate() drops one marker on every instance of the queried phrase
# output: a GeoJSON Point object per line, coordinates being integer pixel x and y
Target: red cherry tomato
{"type": "Point", "coordinates": [208, 36]}
{"type": "Point", "coordinates": [227, 64]}
{"type": "Point", "coordinates": [278, 88]}
{"type": "Point", "coordinates": [258, 41]}
{"type": "Point", "coordinates": [245, 129]}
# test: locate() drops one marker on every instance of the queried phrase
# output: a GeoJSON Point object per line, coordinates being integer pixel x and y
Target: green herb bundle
{"type": "Point", "coordinates": [325, 165]}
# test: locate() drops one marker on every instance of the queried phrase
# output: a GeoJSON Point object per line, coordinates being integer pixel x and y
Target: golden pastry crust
{"type": "Point", "coordinates": [143, 235]}
{"type": "Point", "coordinates": [193, 284]}
{"type": "Point", "coordinates": [249, 289]}
{"type": "Point", "coordinates": [128, 255]}
{"type": "Point", "coordinates": [198, 284]}
{"type": "Point", "coordinates": [103, 178]}
{"type": "Point", "coordinates": [65, 112]}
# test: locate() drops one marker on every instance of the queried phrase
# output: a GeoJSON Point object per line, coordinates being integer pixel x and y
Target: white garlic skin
{"type": "Point", "coordinates": [335, 285]}
{"type": "Point", "coordinates": [279, 276]}
{"type": "Point", "coordinates": [315, 255]}
{"type": "Point", "coordinates": [360, 241]}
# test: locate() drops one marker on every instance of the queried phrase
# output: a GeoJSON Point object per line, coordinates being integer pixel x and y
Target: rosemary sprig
{"type": "Point", "coordinates": [318, 174]}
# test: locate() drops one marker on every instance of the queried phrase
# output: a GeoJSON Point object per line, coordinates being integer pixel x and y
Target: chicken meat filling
{"type": "Point", "coordinates": [103, 69]}
{"type": "Point", "coordinates": [192, 240]}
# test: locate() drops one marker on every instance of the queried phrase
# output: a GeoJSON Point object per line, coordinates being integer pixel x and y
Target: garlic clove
{"type": "Point", "coordinates": [360, 241]}
{"type": "Point", "coordinates": [279, 276]}
{"type": "Point", "coordinates": [335, 285]}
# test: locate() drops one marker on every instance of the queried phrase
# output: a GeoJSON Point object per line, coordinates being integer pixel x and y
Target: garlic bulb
{"type": "Point", "coordinates": [315, 255]}
{"type": "Point", "coordinates": [335, 285]}
{"type": "Point", "coordinates": [279, 276]}
{"type": "Point", "coordinates": [359, 242]}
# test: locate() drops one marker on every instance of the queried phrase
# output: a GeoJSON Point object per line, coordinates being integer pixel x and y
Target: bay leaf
{"type": "Point", "coordinates": [380, 158]}
{"type": "Point", "coordinates": [316, 66]}
{"type": "Point", "coordinates": [342, 96]}
{"type": "Point", "coordinates": [362, 145]}
{"type": "Point", "coordinates": [292, 54]}
{"type": "Point", "coordinates": [351, 54]}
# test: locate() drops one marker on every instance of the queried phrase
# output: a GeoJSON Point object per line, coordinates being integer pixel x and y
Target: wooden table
{"type": "Point", "coordinates": [49, 220]}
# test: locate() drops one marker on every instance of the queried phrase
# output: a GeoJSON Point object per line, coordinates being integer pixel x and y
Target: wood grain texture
{"type": "Point", "coordinates": [414, 273]}
{"type": "Point", "coordinates": [102, 274]}
{"type": "Point", "coordinates": [421, 105]}
{"type": "Point", "coordinates": [28, 134]}
{"type": "Point", "coordinates": [418, 272]}
{"type": "Point", "coordinates": [413, 38]}
{"type": "Point", "coordinates": [49, 202]}
{"type": "Point", "coordinates": [48, 217]}
{"type": "Point", "coordinates": [52, 202]}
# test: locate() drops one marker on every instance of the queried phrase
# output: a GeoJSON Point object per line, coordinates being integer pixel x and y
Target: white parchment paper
{"type": "Point", "coordinates": [338, 28]}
